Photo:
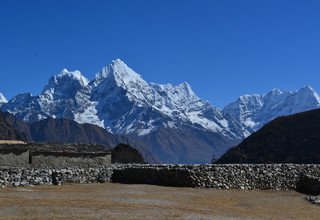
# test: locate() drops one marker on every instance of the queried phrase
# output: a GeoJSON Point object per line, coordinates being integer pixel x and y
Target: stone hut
{"type": "Point", "coordinates": [53, 155]}
{"type": "Point", "coordinates": [16, 155]}
{"type": "Point", "coordinates": [69, 155]}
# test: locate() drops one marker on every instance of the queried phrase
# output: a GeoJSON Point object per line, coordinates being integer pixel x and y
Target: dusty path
{"type": "Point", "coordinates": [117, 201]}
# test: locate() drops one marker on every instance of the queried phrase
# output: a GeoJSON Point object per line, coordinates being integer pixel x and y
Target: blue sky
{"type": "Point", "coordinates": [222, 48]}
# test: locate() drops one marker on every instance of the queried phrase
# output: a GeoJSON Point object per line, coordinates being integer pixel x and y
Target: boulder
{"type": "Point", "coordinates": [308, 184]}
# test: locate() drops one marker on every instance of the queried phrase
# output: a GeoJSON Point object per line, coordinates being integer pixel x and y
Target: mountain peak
{"type": "Point", "coordinates": [118, 62]}
{"type": "Point", "coordinates": [64, 85]}
{"type": "Point", "coordinates": [2, 99]}
{"type": "Point", "coordinates": [306, 89]}
{"type": "Point", "coordinates": [308, 93]}
{"type": "Point", "coordinates": [186, 88]}
{"type": "Point", "coordinates": [118, 71]}
{"type": "Point", "coordinates": [276, 91]}
{"type": "Point", "coordinates": [75, 75]}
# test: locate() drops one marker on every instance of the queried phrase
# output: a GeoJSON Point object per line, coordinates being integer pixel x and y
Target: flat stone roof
{"type": "Point", "coordinates": [12, 142]}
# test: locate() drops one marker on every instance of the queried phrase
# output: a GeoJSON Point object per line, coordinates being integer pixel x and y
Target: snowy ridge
{"type": "Point", "coordinates": [119, 100]}
{"type": "Point", "coordinates": [2, 99]}
{"type": "Point", "coordinates": [171, 106]}
{"type": "Point", "coordinates": [253, 111]}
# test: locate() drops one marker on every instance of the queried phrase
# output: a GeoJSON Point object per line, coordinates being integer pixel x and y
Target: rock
{"type": "Point", "coordinates": [24, 183]}
{"type": "Point", "coordinates": [308, 185]}
{"type": "Point", "coordinates": [313, 199]}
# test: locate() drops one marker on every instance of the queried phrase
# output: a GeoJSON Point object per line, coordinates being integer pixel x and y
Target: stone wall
{"type": "Point", "coordinates": [13, 153]}
{"type": "Point", "coordinates": [56, 159]}
{"type": "Point", "coordinates": [18, 158]}
{"type": "Point", "coordinates": [219, 176]}
{"type": "Point", "coordinates": [222, 176]}
{"type": "Point", "coordinates": [50, 176]}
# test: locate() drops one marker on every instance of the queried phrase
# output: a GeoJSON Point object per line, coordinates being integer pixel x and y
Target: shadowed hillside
{"type": "Point", "coordinates": [65, 130]}
{"type": "Point", "coordinates": [12, 129]}
{"type": "Point", "coordinates": [290, 139]}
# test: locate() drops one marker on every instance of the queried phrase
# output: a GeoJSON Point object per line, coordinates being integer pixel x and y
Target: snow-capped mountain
{"type": "Point", "coordinates": [253, 111]}
{"type": "Point", "coordinates": [176, 125]}
{"type": "Point", "coordinates": [122, 94]}
{"type": "Point", "coordinates": [121, 101]}
{"type": "Point", "coordinates": [66, 95]}
{"type": "Point", "coordinates": [2, 99]}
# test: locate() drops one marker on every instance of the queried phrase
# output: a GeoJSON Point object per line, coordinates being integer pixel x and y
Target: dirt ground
{"type": "Point", "coordinates": [118, 201]}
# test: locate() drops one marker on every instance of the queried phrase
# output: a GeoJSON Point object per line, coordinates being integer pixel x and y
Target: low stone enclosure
{"type": "Point", "coordinates": [58, 155]}
{"type": "Point", "coordinates": [218, 176]}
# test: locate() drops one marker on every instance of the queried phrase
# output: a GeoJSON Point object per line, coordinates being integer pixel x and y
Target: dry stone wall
{"type": "Point", "coordinates": [57, 155]}
{"type": "Point", "coordinates": [221, 176]}
{"type": "Point", "coordinates": [54, 159]}
{"type": "Point", "coordinates": [18, 158]}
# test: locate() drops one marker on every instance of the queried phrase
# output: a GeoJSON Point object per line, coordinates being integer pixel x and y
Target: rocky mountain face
{"type": "Point", "coordinates": [172, 121]}
{"type": "Point", "coordinates": [287, 139]}
{"type": "Point", "coordinates": [254, 111]}
{"type": "Point", "coordinates": [11, 129]}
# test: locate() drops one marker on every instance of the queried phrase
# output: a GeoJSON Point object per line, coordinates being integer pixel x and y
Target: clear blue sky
{"type": "Point", "coordinates": [222, 48]}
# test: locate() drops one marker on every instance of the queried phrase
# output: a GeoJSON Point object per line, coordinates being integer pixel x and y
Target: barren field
{"type": "Point", "coordinates": [117, 201]}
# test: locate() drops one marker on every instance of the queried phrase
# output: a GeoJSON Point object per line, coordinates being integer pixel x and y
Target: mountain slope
{"type": "Point", "coordinates": [9, 129]}
{"type": "Point", "coordinates": [64, 130]}
{"type": "Point", "coordinates": [185, 145]}
{"type": "Point", "coordinates": [289, 139]}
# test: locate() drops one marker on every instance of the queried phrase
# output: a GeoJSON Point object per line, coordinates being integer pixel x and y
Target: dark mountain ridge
{"type": "Point", "coordinates": [289, 139]}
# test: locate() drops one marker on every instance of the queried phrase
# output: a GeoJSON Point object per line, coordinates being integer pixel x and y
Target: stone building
{"type": "Point", "coordinates": [14, 155]}
{"type": "Point", "coordinates": [53, 155]}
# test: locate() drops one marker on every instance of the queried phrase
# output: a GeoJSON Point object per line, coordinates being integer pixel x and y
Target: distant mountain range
{"type": "Point", "coordinates": [253, 111]}
{"type": "Point", "coordinates": [288, 139]}
{"type": "Point", "coordinates": [174, 124]}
